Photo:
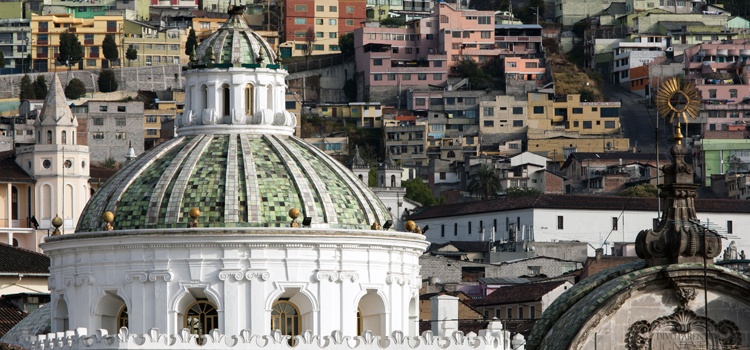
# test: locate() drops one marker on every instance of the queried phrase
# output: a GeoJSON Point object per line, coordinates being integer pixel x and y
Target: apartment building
{"type": "Point", "coordinates": [45, 39]}
{"type": "Point", "coordinates": [570, 114]}
{"type": "Point", "coordinates": [110, 127]}
{"type": "Point", "coordinates": [721, 71]}
{"type": "Point", "coordinates": [367, 114]}
{"type": "Point", "coordinates": [406, 140]}
{"type": "Point", "coordinates": [524, 40]}
{"type": "Point", "coordinates": [326, 18]}
{"type": "Point", "coordinates": [14, 40]}
{"type": "Point", "coordinates": [157, 47]}
{"type": "Point", "coordinates": [502, 116]}
{"type": "Point", "coordinates": [633, 54]}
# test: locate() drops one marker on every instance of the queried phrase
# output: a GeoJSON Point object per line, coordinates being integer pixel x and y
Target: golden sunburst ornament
{"type": "Point", "coordinates": [678, 100]}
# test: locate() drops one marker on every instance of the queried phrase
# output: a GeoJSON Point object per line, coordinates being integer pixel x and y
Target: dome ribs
{"type": "Point", "coordinates": [231, 200]}
{"type": "Point", "coordinates": [350, 179]}
{"type": "Point", "coordinates": [300, 181]}
{"type": "Point", "coordinates": [329, 210]}
{"type": "Point", "coordinates": [124, 178]}
{"type": "Point", "coordinates": [160, 189]}
{"type": "Point", "coordinates": [251, 182]}
{"type": "Point", "coordinates": [174, 213]}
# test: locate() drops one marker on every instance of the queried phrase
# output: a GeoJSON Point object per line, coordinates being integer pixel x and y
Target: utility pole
{"type": "Point", "coordinates": [536, 11]}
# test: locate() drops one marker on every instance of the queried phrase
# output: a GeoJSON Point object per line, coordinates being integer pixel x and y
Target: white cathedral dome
{"type": "Point", "coordinates": [198, 233]}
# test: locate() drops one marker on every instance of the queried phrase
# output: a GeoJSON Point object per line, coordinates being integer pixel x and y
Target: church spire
{"type": "Point", "coordinates": [55, 110]}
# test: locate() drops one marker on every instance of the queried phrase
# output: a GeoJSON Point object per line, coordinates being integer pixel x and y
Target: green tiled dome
{"type": "Point", "coordinates": [236, 180]}
{"type": "Point", "coordinates": [234, 44]}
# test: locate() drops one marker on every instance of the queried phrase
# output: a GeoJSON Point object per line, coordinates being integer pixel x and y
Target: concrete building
{"type": "Point", "coordinates": [406, 141]}
{"type": "Point", "coordinates": [110, 127]}
{"type": "Point", "coordinates": [367, 114]}
{"type": "Point", "coordinates": [519, 302]}
{"type": "Point", "coordinates": [572, 115]}
{"type": "Point", "coordinates": [14, 44]}
{"type": "Point", "coordinates": [327, 19]}
{"type": "Point", "coordinates": [718, 153]}
{"type": "Point", "coordinates": [155, 47]}
{"type": "Point", "coordinates": [45, 44]}
{"type": "Point", "coordinates": [505, 115]}
{"type": "Point", "coordinates": [633, 54]}
{"type": "Point", "coordinates": [609, 172]}
{"type": "Point", "coordinates": [548, 217]}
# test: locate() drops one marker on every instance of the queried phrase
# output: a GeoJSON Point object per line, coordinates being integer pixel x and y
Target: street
{"type": "Point", "coordinates": [638, 121]}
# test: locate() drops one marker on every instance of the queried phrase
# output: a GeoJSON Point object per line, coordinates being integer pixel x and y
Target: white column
{"type": "Point", "coordinates": [444, 315]}
{"type": "Point", "coordinates": [9, 212]}
{"type": "Point", "coordinates": [258, 319]}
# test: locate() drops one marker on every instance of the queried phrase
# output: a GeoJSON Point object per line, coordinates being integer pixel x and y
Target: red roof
{"type": "Point", "coordinates": [10, 171]}
{"type": "Point", "coordinates": [521, 293]}
{"type": "Point", "coordinates": [9, 316]}
{"type": "Point", "coordinates": [407, 118]}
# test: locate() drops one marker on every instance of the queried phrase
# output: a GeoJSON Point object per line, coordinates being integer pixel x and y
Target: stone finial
{"type": "Point", "coordinates": [57, 222]}
{"type": "Point", "coordinates": [410, 226]}
{"type": "Point", "coordinates": [679, 238]}
{"type": "Point", "coordinates": [357, 161]}
{"type": "Point", "coordinates": [108, 217]}
{"type": "Point", "coordinates": [195, 213]}
{"type": "Point", "coordinates": [375, 226]}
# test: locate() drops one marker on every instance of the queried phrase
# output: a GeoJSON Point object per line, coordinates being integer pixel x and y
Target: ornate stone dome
{"type": "Point", "coordinates": [235, 180]}
{"type": "Point", "coordinates": [234, 44]}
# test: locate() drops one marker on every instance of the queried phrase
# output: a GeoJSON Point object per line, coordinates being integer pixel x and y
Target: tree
{"type": "Point", "coordinates": [642, 190]}
{"type": "Point", "coordinates": [40, 87]}
{"type": "Point", "coordinates": [485, 183]}
{"type": "Point", "coordinates": [416, 190]}
{"type": "Point", "coordinates": [346, 44]}
{"type": "Point", "coordinates": [191, 42]}
{"type": "Point", "coordinates": [70, 49]}
{"type": "Point", "coordinates": [468, 68]}
{"type": "Point", "coordinates": [131, 54]}
{"type": "Point", "coordinates": [109, 163]}
{"type": "Point", "coordinates": [75, 89]}
{"type": "Point", "coordinates": [27, 88]}
{"type": "Point", "coordinates": [107, 81]}
{"type": "Point", "coordinates": [309, 40]}
{"type": "Point", "coordinates": [2, 60]}
{"type": "Point", "coordinates": [522, 191]}
{"type": "Point", "coordinates": [109, 48]}
{"type": "Point", "coordinates": [392, 21]}
{"type": "Point", "coordinates": [372, 177]}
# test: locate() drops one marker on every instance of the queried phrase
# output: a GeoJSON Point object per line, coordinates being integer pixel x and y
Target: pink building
{"type": "Point", "coordinates": [721, 72]}
{"type": "Point", "coordinates": [393, 60]}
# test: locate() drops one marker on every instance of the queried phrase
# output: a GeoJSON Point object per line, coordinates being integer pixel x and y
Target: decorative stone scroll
{"type": "Point", "coordinates": [683, 330]}
{"type": "Point", "coordinates": [149, 276]}
{"type": "Point", "coordinates": [335, 276]}
{"type": "Point", "coordinates": [78, 280]}
{"type": "Point", "coordinates": [248, 274]}
{"type": "Point", "coordinates": [398, 278]}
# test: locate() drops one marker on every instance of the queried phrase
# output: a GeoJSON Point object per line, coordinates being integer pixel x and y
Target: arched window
{"type": "Point", "coordinates": [122, 317]}
{"type": "Point", "coordinates": [393, 180]}
{"type": "Point", "coordinates": [73, 136]}
{"type": "Point", "coordinates": [14, 203]}
{"type": "Point", "coordinates": [64, 137]}
{"type": "Point", "coordinates": [49, 137]}
{"type": "Point", "coordinates": [201, 317]}
{"type": "Point", "coordinates": [39, 137]}
{"type": "Point", "coordinates": [372, 313]}
{"type": "Point", "coordinates": [360, 325]}
{"type": "Point", "coordinates": [203, 99]}
{"type": "Point", "coordinates": [360, 177]}
{"type": "Point", "coordinates": [60, 321]}
{"type": "Point", "coordinates": [249, 92]}
{"type": "Point", "coordinates": [269, 95]}
{"type": "Point", "coordinates": [285, 318]}
{"type": "Point", "coordinates": [225, 99]}
{"type": "Point", "coordinates": [15, 242]}
{"type": "Point", "coordinates": [451, 154]}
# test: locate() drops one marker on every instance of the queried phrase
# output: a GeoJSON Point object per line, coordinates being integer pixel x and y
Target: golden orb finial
{"type": "Point", "coordinates": [108, 217]}
{"type": "Point", "coordinates": [194, 213]}
{"type": "Point", "coordinates": [375, 226]}
{"type": "Point", "coordinates": [410, 225]}
{"type": "Point", "coordinates": [57, 222]}
{"type": "Point", "coordinates": [294, 213]}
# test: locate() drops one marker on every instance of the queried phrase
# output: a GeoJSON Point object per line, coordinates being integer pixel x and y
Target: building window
{"type": "Point", "coordinates": [300, 8]}
{"type": "Point", "coordinates": [350, 9]}
{"type": "Point", "coordinates": [587, 124]}
{"type": "Point", "coordinates": [712, 93]}
{"type": "Point", "coordinates": [378, 77]}
{"type": "Point", "coordinates": [518, 123]}
{"type": "Point", "coordinates": [249, 98]}
{"type": "Point", "coordinates": [332, 22]}
{"type": "Point", "coordinates": [333, 35]}
{"type": "Point", "coordinates": [559, 222]}
{"type": "Point", "coordinates": [609, 124]}
{"type": "Point", "coordinates": [391, 76]}
{"type": "Point", "coordinates": [120, 122]}
{"type": "Point", "coordinates": [455, 229]}
{"type": "Point", "coordinates": [509, 313]}
{"type": "Point", "coordinates": [318, 47]}
{"type": "Point", "coordinates": [406, 76]}
{"type": "Point", "coordinates": [99, 121]}
{"type": "Point", "coordinates": [285, 318]}
{"type": "Point", "coordinates": [64, 137]}
{"type": "Point", "coordinates": [442, 230]}
{"type": "Point", "coordinates": [200, 318]}
{"type": "Point", "coordinates": [101, 109]}
{"type": "Point", "coordinates": [520, 312]}
{"type": "Point", "coordinates": [349, 22]}
{"type": "Point", "coordinates": [98, 135]}
{"type": "Point", "coordinates": [151, 119]}
{"type": "Point", "coordinates": [334, 48]}
{"type": "Point", "coordinates": [319, 34]}
{"type": "Point", "coordinates": [489, 123]}
{"type": "Point", "coordinates": [469, 230]}
{"type": "Point", "coordinates": [122, 317]}
{"type": "Point", "coordinates": [377, 62]}
{"type": "Point", "coordinates": [420, 101]}
{"type": "Point", "coordinates": [517, 110]}
{"type": "Point", "coordinates": [422, 76]}
{"type": "Point", "coordinates": [532, 312]}
{"type": "Point", "coordinates": [319, 21]}
{"type": "Point", "coordinates": [729, 226]}
{"type": "Point", "coordinates": [489, 111]}
{"type": "Point", "coordinates": [614, 224]}
{"type": "Point", "coordinates": [531, 65]}
{"type": "Point", "coordinates": [335, 9]}
{"type": "Point", "coordinates": [538, 109]}
{"type": "Point", "coordinates": [437, 76]}
{"type": "Point", "coordinates": [733, 93]}
{"type": "Point", "coordinates": [121, 108]}
{"type": "Point", "coordinates": [300, 21]}
{"type": "Point", "coordinates": [120, 136]}
{"type": "Point", "coordinates": [320, 8]}
{"type": "Point", "coordinates": [486, 34]}
{"type": "Point", "coordinates": [577, 110]}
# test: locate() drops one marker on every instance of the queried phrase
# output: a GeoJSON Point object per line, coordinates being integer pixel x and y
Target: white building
{"type": "Point", "coordinates": [596, 220]}
{"type": "Point", "coordinates": [236, 234]}
{"type": "Point", "coordinates": [632, 54]}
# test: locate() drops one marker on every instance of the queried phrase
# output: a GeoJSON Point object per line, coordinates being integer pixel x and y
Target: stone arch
{"type": "Point", "coordinates": [373, 313]}
{"type": "Point", "coordinates": [188, 295]}
{"type": "Point", "coordinates": [64, 137]}
{"type": "Point", "coordinates": [414, 315]}
{"type": "Point", "coordinates": [301, 297]}
{"type": "Point", "coordinates": [49, 137]}
{"type": "Point", "coordinates": [249, 92]}
{"type": "Point", "coordinates": [60, 320]}
{"type": "Point", "coordinates": [225, 98]}
{"type": "Point", "coordinates": [108, 311]}
{"type": "Point", "coordinates": [393, 180]}
{"type": "Point", "coordinates": [69, 202]}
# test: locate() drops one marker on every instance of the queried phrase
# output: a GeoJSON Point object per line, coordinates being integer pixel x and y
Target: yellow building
{"type": "Point", "coordinates": [368, 114]}
{"type": "Point", "coordinates": [167, 108]}
{"type": "Point", "coordinates": [45, 39]}
{"type": "Point", "coordinates": [557, 149]}
{"type": "Point", "coordinates": [547, 115]}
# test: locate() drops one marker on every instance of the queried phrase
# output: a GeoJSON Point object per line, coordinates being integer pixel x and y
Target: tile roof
{"type": "Point", "coordinates": [462, 246]}
{"type": "Point", "coordinates": [10, 171]}
{"type": "Point", "coordinates": [37, 322]}
{"type": "Point", "coordinates": [10, 315]}
{"type": "Point", "coordinates": [518, 294]}
{"type": "Point", "coordinates": [567, 201]}
{"type": "Point", "coordinates": [594, 265]}
{"type": "Point", "coordinates": [17, 260]}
